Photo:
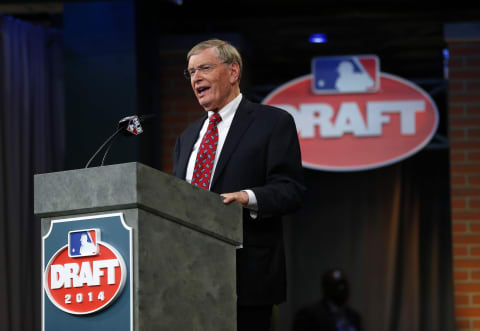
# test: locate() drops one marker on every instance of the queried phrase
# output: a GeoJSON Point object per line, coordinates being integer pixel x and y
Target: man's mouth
{"type": "Point", "coordinates": [202, 90]}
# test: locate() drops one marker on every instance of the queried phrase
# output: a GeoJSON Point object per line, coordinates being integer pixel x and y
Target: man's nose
{"type": "Point", "coordinates": [196, 73]}
{"type": "Point", "coordinates": [196, 79]}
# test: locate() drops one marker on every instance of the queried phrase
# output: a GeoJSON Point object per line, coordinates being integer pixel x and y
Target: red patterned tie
{"type": "Point", "coordinates": [202, 172]}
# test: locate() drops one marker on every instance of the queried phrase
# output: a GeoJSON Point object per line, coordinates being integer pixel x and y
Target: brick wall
{"type": "Point", "coordinates": [177, 104]}
{"type": "Point", "coordinates": [464, 134]}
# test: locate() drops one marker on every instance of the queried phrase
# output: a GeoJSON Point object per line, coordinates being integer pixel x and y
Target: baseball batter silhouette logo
{"type": "Point", "coordinates": [345, 74]}
{"type": "Point", "coordinates": [83, 243]}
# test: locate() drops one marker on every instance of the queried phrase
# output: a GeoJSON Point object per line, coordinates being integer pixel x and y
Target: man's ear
{"type": "Point", "coordinates": [234, 72]}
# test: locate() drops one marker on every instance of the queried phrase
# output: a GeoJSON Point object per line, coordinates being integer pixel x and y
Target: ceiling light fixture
{"type": "Point", "coordinates": [318, 38]}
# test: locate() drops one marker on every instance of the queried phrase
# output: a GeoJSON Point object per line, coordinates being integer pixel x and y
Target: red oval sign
{"type": "Point", "coordinates": [87, 284]}
{"type": "Point", "coordinates": [347, 132]}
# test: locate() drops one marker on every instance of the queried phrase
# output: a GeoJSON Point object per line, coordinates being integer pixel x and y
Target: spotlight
{"type": "Point", "coordinates": [318, 38]}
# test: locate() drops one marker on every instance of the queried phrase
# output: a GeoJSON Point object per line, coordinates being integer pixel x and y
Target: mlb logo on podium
{"type": "Point", "coordinates": [345, 74]}
{"type": "Point", "coordinates": [83, 243]}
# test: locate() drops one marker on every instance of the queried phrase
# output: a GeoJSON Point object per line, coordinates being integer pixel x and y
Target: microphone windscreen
{"type": "Point", "coordinates": [134, 126]}
{"type": "Point", "coordinates": [124, 121]}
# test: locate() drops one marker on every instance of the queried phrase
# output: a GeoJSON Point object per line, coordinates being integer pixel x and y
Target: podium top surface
{"type": "Point", "coordinates": [134, 185]}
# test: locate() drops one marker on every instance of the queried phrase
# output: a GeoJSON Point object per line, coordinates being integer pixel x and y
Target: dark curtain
{"type": "Point", "coordinates": [31, 141]}
{"type": "Point", "coordinates": [389, 230]}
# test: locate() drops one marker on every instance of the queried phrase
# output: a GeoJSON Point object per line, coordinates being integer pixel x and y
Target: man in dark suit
{"type": "Point", "coordinates": [332, 312]}
{"type": "Point", "coordinates": [248, 153]}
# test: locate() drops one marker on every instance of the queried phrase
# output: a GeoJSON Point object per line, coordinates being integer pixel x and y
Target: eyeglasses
{"type": "Point", "coordinates": [204, 68]}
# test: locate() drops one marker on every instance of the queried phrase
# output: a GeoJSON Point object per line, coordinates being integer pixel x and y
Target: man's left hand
{"type": "Point", "coordinates": [240, 197]}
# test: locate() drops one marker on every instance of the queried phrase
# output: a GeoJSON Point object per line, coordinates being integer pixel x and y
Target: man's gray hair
{"type": "Point", "coordinates": [226, 52]}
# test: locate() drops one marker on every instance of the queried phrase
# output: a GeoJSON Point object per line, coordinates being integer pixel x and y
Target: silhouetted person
{"type": "Point", "coordinates": [87, 248]}
{"type": "Point", "coordinates": [350, 81]}
{"type": "Point", "coordinates": [331, 313]}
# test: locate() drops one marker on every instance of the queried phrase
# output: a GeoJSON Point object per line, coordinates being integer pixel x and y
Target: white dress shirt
{"type": "Point", "coordinates": [227, 113]}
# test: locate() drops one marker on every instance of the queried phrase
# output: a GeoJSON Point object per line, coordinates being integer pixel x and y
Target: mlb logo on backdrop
{"type": "Point", "coordinates": [83, 243]}
{"type": "Point", "coordinates": [345, 74]}
{"type": "Point", "coordinates": [351, 116]}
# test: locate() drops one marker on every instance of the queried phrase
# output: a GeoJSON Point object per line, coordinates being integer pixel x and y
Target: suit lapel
{"type": "Point", "coordinates": [240, 124]}
{"type": "Point", "coordinates": [189, 141]}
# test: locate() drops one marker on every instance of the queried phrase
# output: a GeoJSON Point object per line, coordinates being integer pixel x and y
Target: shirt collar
{"type": "Point", "coordinates": [228, 111]}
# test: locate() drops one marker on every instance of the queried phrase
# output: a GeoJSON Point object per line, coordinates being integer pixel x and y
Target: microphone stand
{"type": "Point", "coordinates": [109, 140]}
{"type": "Point", "coordinates": [121, 126]}
{"type": "Point", "coordinates": [106, 152]}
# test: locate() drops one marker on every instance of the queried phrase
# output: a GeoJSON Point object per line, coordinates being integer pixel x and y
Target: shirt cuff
{"type": "Point", "coordinates": [252, 204]}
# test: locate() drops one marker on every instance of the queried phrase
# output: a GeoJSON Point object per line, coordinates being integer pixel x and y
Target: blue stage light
{"type": "Point", "coordinates": [446, 54]}
{"type": "Point", "coordinates": [318, 38]}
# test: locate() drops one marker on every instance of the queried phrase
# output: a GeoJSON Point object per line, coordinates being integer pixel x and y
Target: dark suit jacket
{"type": "Point", "coordinates": [318, 317]}
{"type": "Point", "coordinates": [261, 153]}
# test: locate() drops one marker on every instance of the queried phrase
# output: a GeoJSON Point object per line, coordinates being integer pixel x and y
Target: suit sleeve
{"type": "Point", "coordinates": [284, 188]}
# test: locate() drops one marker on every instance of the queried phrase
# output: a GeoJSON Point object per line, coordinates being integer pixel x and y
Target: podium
{"type": "Point", "coordinates": [127, 247]}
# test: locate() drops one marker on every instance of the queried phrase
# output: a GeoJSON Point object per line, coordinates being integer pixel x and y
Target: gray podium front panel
{"type": "Point", "coordinates": [68, 309]}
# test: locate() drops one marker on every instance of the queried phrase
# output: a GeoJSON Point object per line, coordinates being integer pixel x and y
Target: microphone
{"type": "Point", "coordinates": [132, 123]}
{"type": "Point", "coordinates": [129, 125]}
